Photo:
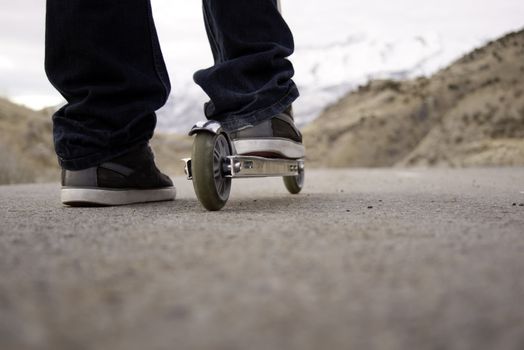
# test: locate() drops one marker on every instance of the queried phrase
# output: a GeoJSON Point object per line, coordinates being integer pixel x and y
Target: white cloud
{"type": "Point", "coordinates": [6, 63]}
{"type": "Point", "coordinates": [37, 101]}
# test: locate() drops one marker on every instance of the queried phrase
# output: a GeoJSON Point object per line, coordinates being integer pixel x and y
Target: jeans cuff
{"type": "Point", "coordinates": [239, 121]}
{"type": "Point", "coordinates": [95, 159]}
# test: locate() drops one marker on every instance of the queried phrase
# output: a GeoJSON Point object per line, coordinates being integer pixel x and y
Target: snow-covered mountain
{"type": "Point", "coordinates": [324, 73]}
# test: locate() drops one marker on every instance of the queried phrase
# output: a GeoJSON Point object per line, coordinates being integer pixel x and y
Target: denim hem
{"type": "Point", "coordinates": [238, 121]}
{"type": "Point", "coordinates": [95, 159]}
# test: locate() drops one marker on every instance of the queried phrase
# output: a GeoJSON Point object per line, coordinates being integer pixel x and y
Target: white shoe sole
{"type": "Point", "coordinates": [286, 148]}
{"type": "Point", "coordinates": [111, 197]}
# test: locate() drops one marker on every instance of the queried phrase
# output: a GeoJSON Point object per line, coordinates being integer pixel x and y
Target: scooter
{"type": "Point", "coordinates": [214, 163]}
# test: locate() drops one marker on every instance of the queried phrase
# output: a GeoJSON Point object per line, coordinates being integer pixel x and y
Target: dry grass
{"type": "Point", "coordinates": [26, 153]}
{"type": "Point", "coordinates": [12, 170]}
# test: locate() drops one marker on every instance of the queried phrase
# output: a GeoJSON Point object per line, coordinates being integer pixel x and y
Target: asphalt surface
{"type": "Point", "coordinates": [363, 259]}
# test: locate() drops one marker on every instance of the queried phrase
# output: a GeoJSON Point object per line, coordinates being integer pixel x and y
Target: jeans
{"type": "Point", "coordinates": [104, 57]}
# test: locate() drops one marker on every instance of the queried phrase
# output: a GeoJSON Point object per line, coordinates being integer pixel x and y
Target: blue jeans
{"type": "Point", "coordinates": [104, 57]}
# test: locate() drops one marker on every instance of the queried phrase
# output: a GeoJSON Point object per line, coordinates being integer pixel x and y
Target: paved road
{"type": "Point", "coordinates": [363, 259]}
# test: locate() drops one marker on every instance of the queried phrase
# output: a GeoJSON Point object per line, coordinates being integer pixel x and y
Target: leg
{"type": "Point", "coordinates": [104, 58]}
{"type": "Point", "coordinates": [251, 79]}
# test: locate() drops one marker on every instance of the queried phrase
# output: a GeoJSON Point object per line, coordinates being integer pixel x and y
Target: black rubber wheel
{"type": "Point", "coordinates": [207, 161]}
{"type": "Point", "coordinates": [294, 184]}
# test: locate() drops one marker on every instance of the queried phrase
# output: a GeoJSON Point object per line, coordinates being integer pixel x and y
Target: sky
{"type": "Point", "coordinates": [407, 31]}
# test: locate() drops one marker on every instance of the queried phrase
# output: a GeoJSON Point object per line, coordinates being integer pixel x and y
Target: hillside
{"type": "Point", "coordinates": [27, 152]}
{"type": "Point", "coordinates": [468, 114]}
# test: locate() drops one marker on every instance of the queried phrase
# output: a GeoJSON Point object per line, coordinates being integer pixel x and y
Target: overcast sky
{"type": "Point", "coordinates": [462, 23]}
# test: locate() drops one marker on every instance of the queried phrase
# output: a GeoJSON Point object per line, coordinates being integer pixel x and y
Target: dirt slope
{"type": "Point", "coordinates": [469, 114]}
{"type": "Point", "coordinates": [27, 152]}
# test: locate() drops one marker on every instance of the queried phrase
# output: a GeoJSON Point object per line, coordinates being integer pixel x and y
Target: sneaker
{"type": "Point", "coordinates": [131, 178]}
{"type": "Point", "coordinates": [277, 137]}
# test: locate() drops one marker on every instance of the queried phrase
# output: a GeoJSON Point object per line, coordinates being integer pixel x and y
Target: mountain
{"type": "Point", "coordinates": [468, 114]}
{"type": "Point", "coordinates": [325, 73]}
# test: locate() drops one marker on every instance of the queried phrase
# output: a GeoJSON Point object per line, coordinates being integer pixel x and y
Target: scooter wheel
{"type": "Point", "coordinates": [207, 161]}
{"type": "Point", "coordinates": [294, 184]}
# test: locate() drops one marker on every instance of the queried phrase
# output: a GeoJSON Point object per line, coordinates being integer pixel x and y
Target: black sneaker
{"type": "Point", "coordinates": [277, 137]}
{"type": "Point", "coordinates": [131, 178]}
